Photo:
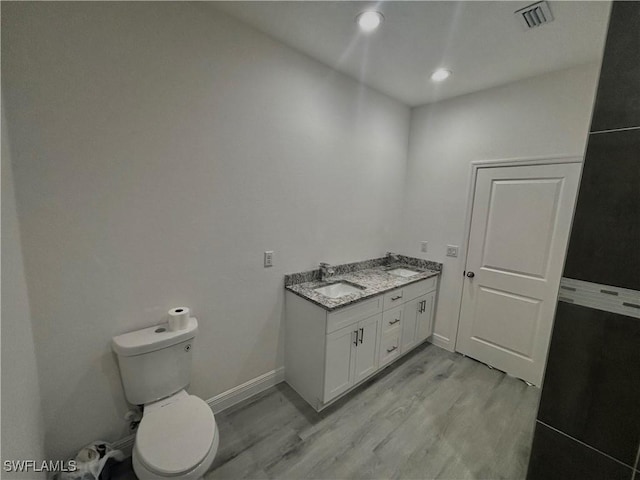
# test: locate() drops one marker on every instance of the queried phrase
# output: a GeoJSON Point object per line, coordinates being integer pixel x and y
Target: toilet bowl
{"type": "Point", "coordinates": [177, 438]}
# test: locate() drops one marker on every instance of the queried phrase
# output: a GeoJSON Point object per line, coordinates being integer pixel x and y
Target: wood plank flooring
{"type": "Point", "coordinates": [434, 415]}
{"type": "Point", "coordinates": [431, 415]}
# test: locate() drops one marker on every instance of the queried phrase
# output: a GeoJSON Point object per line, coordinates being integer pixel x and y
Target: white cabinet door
{"type": "Point", "coordinates": [426, 305]}
{"type": "Point", "coordinates": [339, 361]}
{"type": "Point", "coordinates": [366, 351]}
{"type": "Point", "coordinates": [409, 324]}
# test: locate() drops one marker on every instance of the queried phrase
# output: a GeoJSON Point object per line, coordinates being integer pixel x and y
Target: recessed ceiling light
{"type": "Point", "coordinates": [369, 21]}
{"type": "Point", "coordinates": [440, 75]}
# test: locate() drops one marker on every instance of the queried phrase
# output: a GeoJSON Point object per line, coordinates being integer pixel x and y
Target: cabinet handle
{"type": "Point", "coordinates": [394, 322]}
{"type": "Point", "coordinates": [423, 306]}
{"type": "Point", "coordinates": [356, 341]}
{"type": "Point", "coordinates": [393, 299]}
{"type": "Point", "coordinates": [389, 350]}
{"type": "Point", "coordinates": [361, 335]}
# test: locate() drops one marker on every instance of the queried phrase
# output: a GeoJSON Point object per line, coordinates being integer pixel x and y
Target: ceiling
{"type": "Point", "coordinates": [481, 42]}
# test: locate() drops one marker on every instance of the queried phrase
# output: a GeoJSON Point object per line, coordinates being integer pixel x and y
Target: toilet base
{"type": "Point", "coordinates": [196, 473]}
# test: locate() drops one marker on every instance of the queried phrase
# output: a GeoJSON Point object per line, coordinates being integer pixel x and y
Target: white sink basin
{"type": "Point", "coordinates": [403, 272]}
{"type": "Point", "coordinates": [337, 290]}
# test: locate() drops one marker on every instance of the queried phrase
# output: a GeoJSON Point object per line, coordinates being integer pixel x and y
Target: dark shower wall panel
{"type": "Point", "coordinates": [592, 385]}
{"type": "Point", "coordinates": [558, 457]}
{"type": "Point", "coordinates": [618, 98]}
{"type": "Point", "coordinates": [605, 240]}
{"type": "Point", "coordinates": [589, 417]}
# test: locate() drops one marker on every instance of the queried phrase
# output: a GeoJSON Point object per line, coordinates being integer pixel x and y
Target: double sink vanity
{"type": "Point", "coordinates": [347, 322]}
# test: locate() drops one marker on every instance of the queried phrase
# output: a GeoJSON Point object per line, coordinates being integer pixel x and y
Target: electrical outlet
{"type": "Point", "coordinates": [423, 247]}
{"type": "Point", "coordinates": [268, 258]}
{"type": "Point", "coordinates": [452, 250]}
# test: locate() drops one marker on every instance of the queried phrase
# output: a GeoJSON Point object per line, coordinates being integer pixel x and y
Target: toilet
{"type": "Point", "coordinates": [177, 437]}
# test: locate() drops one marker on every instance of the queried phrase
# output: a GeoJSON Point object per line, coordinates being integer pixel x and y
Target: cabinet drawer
{"type": "Point", "coordinates": [394, 298]}
{"type": "Point", "coordinates": [392, 319]}
{"type": "Point", "coordinates": [418, 289]}
{"type": "Point", "coordinates": [389, 348]}
{"type": "Point", "coordinates": [348, 315]}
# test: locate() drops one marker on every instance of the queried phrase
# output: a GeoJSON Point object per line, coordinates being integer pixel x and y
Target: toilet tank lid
{"type": "Point", "coordinates": [152, 338]}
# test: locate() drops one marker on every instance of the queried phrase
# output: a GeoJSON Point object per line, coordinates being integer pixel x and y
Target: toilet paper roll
{"type": "Point", "coordinates": [178, 318]}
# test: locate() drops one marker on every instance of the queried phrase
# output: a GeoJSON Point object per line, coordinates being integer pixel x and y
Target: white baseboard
{"type": "Point", "coordinates": [442, 342]}
{"type": "Point", "coordinates": [224, 400]}
{"type": "Point", "coordinates": [125, 445]}
{"type": "Point", "coordinates": [248, 389]}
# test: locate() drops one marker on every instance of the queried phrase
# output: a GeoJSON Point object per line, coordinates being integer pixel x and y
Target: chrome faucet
{"type": "Point", "coordinates": [326, 271]}
{"type": "Point", "coordinates": [393, 257]}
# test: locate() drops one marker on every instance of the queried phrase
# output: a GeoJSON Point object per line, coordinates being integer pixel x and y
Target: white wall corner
{"type": "Point", "coordinates": [443, 342]}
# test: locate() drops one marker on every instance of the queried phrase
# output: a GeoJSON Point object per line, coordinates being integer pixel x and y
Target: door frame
{"type": "Point", "coordinates": [476, 165]}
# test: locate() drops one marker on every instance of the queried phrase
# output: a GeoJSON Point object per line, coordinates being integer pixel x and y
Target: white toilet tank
{"type": "Point", "coordinates": [155, 362]}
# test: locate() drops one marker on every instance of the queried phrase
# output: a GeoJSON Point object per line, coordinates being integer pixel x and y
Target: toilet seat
{"type": "Point", "coordinates": [176, 436]}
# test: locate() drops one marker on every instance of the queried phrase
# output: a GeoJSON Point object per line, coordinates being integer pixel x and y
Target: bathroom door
{"type": "Point", "coordinates": [520, 225]}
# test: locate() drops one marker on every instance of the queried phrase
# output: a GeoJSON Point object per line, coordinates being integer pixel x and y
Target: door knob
{"type": "Point", "coordinates": [471, 274]}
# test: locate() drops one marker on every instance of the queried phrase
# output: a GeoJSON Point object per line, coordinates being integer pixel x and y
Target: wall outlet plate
{"type": "Point", "coordinates": [268, 258]}
{"type": "Point", "coordinates": [423, 247]}
{"type": "Point", "coordinates": [452, 250]}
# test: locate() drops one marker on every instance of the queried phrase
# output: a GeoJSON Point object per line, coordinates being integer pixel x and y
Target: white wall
{"type": "Point", "coordinates": [22, 426]}
{"type": "Point", "coordinates": [547, 115]}
{"type": "Point", "coordinates": [159, 150]}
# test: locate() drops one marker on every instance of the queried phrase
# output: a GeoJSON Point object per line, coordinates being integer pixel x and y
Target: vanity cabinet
{"type": "Point", "coordinates": [414, 318]}
{"type": "Point", "coordinates": [392, 320]}
{"type": "Point", "coordinates": [350, 356]}
{"type": "Point", "coordinates": [329, 353]}
{"type": "Point", "coordinates": [417, 323]}
{"type": "Point", "coordinates": [411, 310]}
{"type": "Point", "coordinates": [425, 315]}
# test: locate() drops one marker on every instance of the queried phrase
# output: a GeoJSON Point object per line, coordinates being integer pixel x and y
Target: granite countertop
{"type": "Point", "coordinates": [372, 275]}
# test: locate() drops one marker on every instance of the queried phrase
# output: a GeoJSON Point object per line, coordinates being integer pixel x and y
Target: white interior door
{"type": "Point", "coordinates": [520, 226]}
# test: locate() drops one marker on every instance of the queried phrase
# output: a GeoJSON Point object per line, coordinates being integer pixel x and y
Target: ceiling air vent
{"type": "Point", "coordinates": [534, 15]}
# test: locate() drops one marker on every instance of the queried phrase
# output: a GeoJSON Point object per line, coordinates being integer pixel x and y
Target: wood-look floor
{"type": "Point", "coordinates": [435, 414]}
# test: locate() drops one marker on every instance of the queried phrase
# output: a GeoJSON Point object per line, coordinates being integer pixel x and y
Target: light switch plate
{"type": "Point", "coordinates": [268, 258]}
{"type": "Point", "coordinates": [423, 247]}
{"type": "Point", "coordinates": [452, 250]}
